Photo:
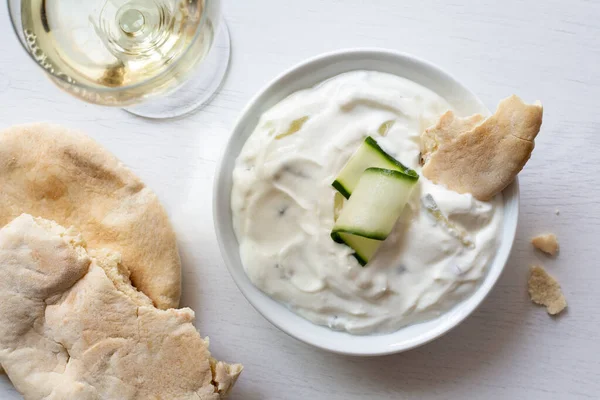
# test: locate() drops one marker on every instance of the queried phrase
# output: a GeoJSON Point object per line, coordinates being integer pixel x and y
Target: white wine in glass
{"type": "Point", "coordinates": [155, 58]}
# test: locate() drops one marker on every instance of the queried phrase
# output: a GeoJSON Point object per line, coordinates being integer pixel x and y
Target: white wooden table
{"type": "Point", "coordinates": [508, 349]}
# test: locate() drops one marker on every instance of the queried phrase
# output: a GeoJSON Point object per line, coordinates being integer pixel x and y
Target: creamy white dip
{"type": "Point", "coordinates": [283, 210]}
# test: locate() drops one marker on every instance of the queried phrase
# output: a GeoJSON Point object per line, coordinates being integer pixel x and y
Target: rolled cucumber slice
{"type": "Point", "coordinates": [369, 154]}
{"type": "Point", "coordinates": [364, 248]}
{"type": "Point", "coordinates": [370, 214]}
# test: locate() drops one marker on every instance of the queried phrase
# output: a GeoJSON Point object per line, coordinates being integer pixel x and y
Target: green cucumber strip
{"type": "Point", "coordinates": [385, 127]}
{"type": "Point", "coordinates": [377, 202]}
{"type": "Point", "coordinates": [340, 188]}
{"type": "Point", "coordinates": [432, 208]}
{"type": "Point", "coordinates": [369, 154]}
{"type": "Point", "coordinates": [295, 126]}
{"type": "Point", "coordinates": [364, 248]}
{"type": "Point", "coordinates": [338, 205]}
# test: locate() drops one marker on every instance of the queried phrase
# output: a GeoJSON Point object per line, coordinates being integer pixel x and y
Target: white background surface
{"type": "Point", "coordinates": [508, 349]}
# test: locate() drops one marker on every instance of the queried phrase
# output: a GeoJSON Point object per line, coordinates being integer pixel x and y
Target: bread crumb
{"type": "Point", "coordinates": [548, 243]}
{"type": "Point", "coordinates": [545, 290]}
{"type": "Point", "coordinates": [557, 211]}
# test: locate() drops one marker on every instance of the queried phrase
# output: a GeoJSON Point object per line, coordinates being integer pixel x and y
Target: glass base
{"type": "Point", "coordinates": [198, 90]}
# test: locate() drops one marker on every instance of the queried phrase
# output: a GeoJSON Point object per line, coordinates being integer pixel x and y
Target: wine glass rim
{"type": "Point", "coordinates": [105, 89]}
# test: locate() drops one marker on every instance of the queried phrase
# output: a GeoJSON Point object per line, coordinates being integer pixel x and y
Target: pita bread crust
{"type": "Point", "coordinates": [481, 156]}
{"type": "Point", "coordinates": [52, 172]}
{"type": "Point", "coordinates": [447, 128]}
{"type": "Point", "coordinates": [68, 331]}
{"type": "Point", "coordinates": [545, 290]}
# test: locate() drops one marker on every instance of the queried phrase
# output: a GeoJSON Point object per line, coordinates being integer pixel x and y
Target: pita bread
{"type": "Point", "coordinates": [481, 155]}
{"type": "Point", "coordinates": [51, 172]}
{"type": "Point", "coordinates": [69, 331]}
{"type": "Point", "coordinates": [548, 243]}
{"type": "Point", "coordinates": [545, 290]}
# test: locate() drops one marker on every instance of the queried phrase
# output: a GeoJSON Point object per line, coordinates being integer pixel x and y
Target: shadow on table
{"type": "Point", "coordinates": [10, 393]}
{"type": "Point", "coordinates": [487, 337]}
{"type": "Point", "coordinates": [463, 357]}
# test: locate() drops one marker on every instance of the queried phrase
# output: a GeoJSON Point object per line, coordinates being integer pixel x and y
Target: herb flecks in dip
{"type": "Point", "coordinates": [284, 208]}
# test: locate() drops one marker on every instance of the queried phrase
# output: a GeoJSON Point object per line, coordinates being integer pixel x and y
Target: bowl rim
{"type": "Point", "coordinates": [217, 206]}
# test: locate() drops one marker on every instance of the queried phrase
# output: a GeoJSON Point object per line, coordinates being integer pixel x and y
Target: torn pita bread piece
{"type": "Point", "coordinates": [545, 290]}
{"type": "Point", "coordinates": [71, 327]}
{"type": "Point", "coordinates": [481, 155]}
{"type": "Point", "coordinates": [548, 243]}
{"type": "Point", "coordinates": [52, 172]}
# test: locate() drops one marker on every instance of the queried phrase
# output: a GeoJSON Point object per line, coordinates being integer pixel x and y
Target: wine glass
{"type": "Point", "coordinates": [154, 58]}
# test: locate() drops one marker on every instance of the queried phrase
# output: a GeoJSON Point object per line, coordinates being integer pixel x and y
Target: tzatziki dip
{"type": "Point", "coordinates": [284, 208]}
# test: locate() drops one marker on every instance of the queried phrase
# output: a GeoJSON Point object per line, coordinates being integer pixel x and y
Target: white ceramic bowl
{"type": "Point", "coordinates": [308, 74]}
